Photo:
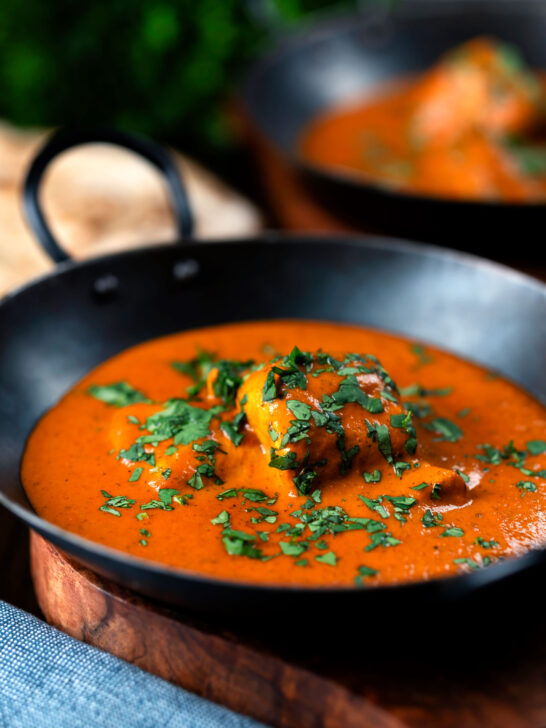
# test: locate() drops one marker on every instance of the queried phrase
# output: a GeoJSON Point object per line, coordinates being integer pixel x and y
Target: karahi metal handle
{"type": "Point", "coordinates": [66, 139]}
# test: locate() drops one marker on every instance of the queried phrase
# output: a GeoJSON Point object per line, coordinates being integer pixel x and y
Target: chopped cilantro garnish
{"type": "Point", "coordinates": [166, 495]}
{"type": "Point", "coordinates": [420, 486]}
{"type": "Point", "coordinates": [113, 502]}
{"type": "Point", "coordinates": [198, 369]}
{"type": "Point", "coordinates": [239, 543]}
{"type": "Point", "coordinates": [375, 505]}
{"type": "Point", "coordinates": [229, 493]}
{"type": "Point", "coordinates": [232, 428]}
{"type": "Point", "coordinates": [491, 544]}
{"type": "Point", "coordinates": [452, 531]}
{"type": "Point", "coordinates": [112, 511]}
{"type": "Point", "coordinates": [119, 394]}
{"type": "Point", "coordinates": [228, 379]}
{"type": "Point", "coordinates": [536, 447]}
{"type": "Point", "coordinates": [135, 475]}
{"type": "Point", "coordinates": [467, 562]}
{"type": "Point", "coordinates": [430, 519]}
{"type": "Point", "coordinates": [300, 410]}
{"type": "Point", "coordinates": [137, 453]}
{"type": "Point", "coordinates": [255, 495]}
{"type": "Point", "coordinates": [221, 519]}
{"type": "Point", "coordinates": [381, 538]}
{"type": "Point", "coordinates": [364, 572]}
{"type": "Point", "coordinates": [526, 486]}
{"type": "Point", "coordinates": [328, 558]}
{"type": "Point", "coordinates": [416, 390]}
{"type": "Point", "coordinates": [350, 391]}
{"type": "Point", "coordinates": [448, 431]}
{"type": "Point", "coordinates": [292, 549]}
{"type": "Point", "coordinates": [283, 462]}
{"type": "Point", "coordinates": [380, 434]}
{"type": "Point", "coordinates": [423, 357]}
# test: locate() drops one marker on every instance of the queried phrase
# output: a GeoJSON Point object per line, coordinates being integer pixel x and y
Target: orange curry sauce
{"type": "Point", "coordinates": [203, 489]}
{"type": "Point", "coordinates": [472, 127]}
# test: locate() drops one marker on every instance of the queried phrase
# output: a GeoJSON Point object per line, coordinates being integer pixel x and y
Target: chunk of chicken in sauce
{"type": "Point", "coordinates": [340, 414]}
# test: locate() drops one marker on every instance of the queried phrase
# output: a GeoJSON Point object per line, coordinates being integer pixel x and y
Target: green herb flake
{"type": "Point", "coordinates": [364, 572]}
{"type": "Point", "coordinates": [292, 549]}
{"type": "Point", "coordinates": [135, 475]}
{"type": "Point", "coordinates": [229, 493]}
{"type": "Point", "coordinates": [283, 462]}
{"type": "Point", "coordinates": [467, 562]}
{"type": "Point", "coordinates": [375, 505]}
{"type": "Point", "coordinates": [118, 394]}
{"type": "Point", "coordinates": [421, 486]}
{"type": "Point", "coordinates": [536, 447]}
{"type": "Point", "coordinates": [448, 431]}
{"type": "Point", "coordinates": [328, 558]}
{"type": "Point", "coordinates": [383, 539]}
{"type": "Point", "coordinates": [526, 486]}
{"type": "Point", "coordinates": [373, 477]}
{"type": "Point", "coordinates": [423, 357]}
{"type": "Point", "coordinates": [112, 511]}
{"type": "Point", "coordinates": [269, 391]}
{"type": "Point", "coordinates": [491, 544]}
{"type": "Point", "coordinates": [221, 519]}
{"type": "Point", "coordinates": [430, 519]}
{"type": "Point", "coordinates": [452, 531]}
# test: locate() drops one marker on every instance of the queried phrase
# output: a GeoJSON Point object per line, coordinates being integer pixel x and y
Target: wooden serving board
{"type": "Point", "coordinates": [366, 690]}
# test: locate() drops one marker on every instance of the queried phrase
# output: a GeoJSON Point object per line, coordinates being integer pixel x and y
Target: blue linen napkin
{"type": "Point", "coordinates": [50, 680]}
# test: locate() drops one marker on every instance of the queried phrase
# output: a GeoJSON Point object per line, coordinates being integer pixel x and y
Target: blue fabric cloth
{"type": "Point", "coordinates": [50, 680]}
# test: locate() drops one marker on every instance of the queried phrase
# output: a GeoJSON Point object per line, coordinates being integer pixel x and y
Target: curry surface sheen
{"type": "Point", "coordinates": [464, 498]}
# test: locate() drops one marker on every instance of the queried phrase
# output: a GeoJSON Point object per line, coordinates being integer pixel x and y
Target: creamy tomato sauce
{"type": "Point", "coordinates": [356, 457]}
{"type": "Point", "coordinates": [473, 127]}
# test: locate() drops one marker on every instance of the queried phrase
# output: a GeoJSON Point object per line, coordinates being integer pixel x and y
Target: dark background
{"type": "Point", "coordinates": [165, 69]}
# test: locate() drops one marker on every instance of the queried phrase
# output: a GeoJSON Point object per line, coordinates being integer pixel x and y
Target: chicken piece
{"type": "Point", "coordinates": [320, 420]}
{"type": "Point", "coordinates": [477, 166]}
{"type": "Point", "coordinates": [482, 85]}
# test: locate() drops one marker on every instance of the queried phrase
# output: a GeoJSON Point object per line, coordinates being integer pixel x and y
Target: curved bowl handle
{"type": "Point", "coordinates": [66, 139]}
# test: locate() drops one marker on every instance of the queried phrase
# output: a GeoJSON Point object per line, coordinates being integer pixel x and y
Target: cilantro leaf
{"type": "Point", "coordinates": [118, 394]}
